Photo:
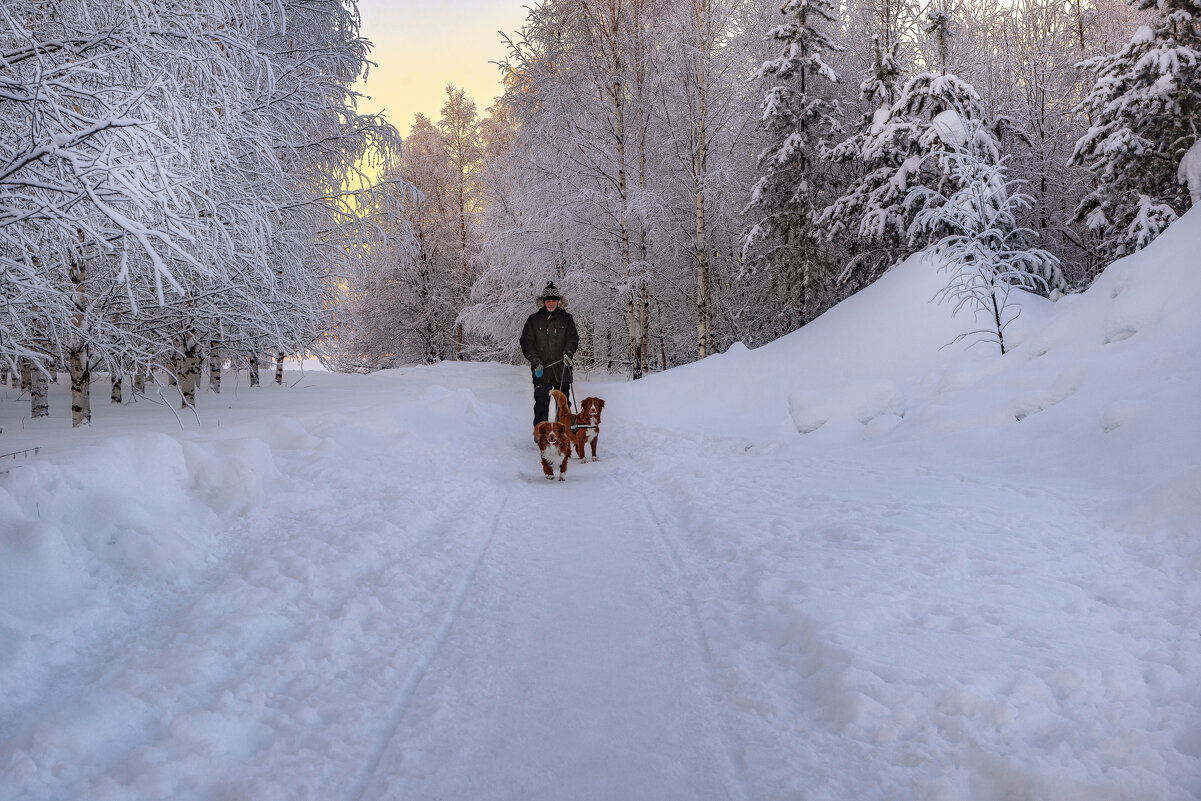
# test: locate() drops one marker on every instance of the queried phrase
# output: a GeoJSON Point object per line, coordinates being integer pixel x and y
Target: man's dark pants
{"type": "Point", "coordinates": [542, 399]}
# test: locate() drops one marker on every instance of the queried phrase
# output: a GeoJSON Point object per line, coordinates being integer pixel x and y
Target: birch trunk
{"type": "Point", "coordinates": [190, 370]}
{"type": "Point", "coordinates": [703, 11]}
{"type": "Point", "coordinates": [466, 278]}
{"type": "Point", "coordinates": [115, 396]}
{"type": "Point", "coordinates": [139, 381]}
{"type": "Point", "coordinates": [632, 317]}
{"type": "Point", "coordinates": [77, 356]}
{"type": "Point", "coordinates": [702, 278]}
{"type": "Point", "coordinates": [640, 54]}
{"type": "Point", "coordinates": [254, 370]}
{"type": "Point", "coordinates": [662, 338]}
{"type": "Point", "coordinates": [81, 385]}
{"type": "Point", "coordinates": [215, 360]}
{"type": "Point", "coordinates": [26, 375]}
{"type": "Point", "coordinates": [605, 23]}
{"type": "Point", "coordinates": [279, 368]}
{"type": "Point", "coordinates": [39, 386]}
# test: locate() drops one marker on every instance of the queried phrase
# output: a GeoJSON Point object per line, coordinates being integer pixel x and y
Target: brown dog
{"type": "Point", "coordinates": [554, 445]}
{"type": "Point", "coordinates": [583, 427]}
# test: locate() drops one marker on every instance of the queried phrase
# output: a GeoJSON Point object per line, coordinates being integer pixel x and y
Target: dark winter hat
{"type": "Point", "coordinates": [550, 292]}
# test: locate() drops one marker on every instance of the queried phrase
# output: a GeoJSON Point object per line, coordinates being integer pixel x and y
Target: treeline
{"type": "Point", "coordinates": [173, 185]}
{"type": "Point", "coordinates": [696, 172]}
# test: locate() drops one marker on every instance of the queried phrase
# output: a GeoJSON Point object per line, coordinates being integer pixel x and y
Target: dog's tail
{"type": "Point", "coordinates": [561, 402]}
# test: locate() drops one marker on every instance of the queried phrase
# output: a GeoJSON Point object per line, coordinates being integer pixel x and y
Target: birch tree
{"type": "Point", "coordinates": [173, 170]}
{"type": "Point", "coordinates": [982, 248]}
{"type": "Point", "coordinates": [459, 129]}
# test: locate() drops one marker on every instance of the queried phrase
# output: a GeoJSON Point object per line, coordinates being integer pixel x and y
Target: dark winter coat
{"type": "Point", "coordinates": [547, 337]}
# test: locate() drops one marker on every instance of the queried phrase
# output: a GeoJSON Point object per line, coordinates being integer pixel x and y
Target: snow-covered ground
{"type": "Point", "coordinates": [853, 564]}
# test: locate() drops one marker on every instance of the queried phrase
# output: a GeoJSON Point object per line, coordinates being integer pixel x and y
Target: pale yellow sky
{"type": "Point", "coordinates": [421, 45]}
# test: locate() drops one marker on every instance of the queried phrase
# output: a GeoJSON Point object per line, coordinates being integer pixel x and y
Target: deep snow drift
{"type": "Point", "coordinates": [857, 563]}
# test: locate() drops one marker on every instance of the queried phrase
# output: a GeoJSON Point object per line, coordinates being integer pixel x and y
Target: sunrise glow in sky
{"type": "Point", "coordinates": [421, 45]}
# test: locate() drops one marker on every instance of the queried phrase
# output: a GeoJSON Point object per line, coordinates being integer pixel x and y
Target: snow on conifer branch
{"type": "Point", "coordinates": [1145, 108]}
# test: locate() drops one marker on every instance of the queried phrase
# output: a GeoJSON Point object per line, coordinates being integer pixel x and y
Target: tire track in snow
{"type": "Point", "coordinates": [419, 670]}
{"type": "Point", "coordinates": [731, 767]}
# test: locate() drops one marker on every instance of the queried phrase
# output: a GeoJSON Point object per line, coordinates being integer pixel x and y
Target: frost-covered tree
{"type": "Point", "coordinates": [869, 213]}
{"type": "Point", "coordinates": [171, 175]}
{"type": "Point", "coordinates": [705, 127]}
{"type": "Point", "coordinates": [459, 130]}
{"type": "Point", "coordinates": [798, 115]}
{"type": "Point", "coordinates": [903, 146]}
{"type": "Point", "coordinates": [580, 111]}
{"type": "Point", "coordinates": [628, 151]}
{"type": "Point", "coordinates": [982, 247]}
{"type": "Point", "coordinates": [1145, 109]}
{"type": "Point", "coordinates": [407, 297]}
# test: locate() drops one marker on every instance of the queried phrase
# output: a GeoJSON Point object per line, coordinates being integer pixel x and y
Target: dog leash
{"type": "Point", "coordinates": [570, 391]}
{"type": "Point", "coordinates": [570, 397]}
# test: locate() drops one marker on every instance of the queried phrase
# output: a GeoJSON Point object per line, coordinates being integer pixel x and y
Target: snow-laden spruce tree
{"type": "Point", "coordinates": [875, 152]}
{"type": "Point", "coordinates": [1145, 109]}
{"type": "Point", "coordinates": [798, 116]}
{"type": "Point", "coordinates": [906, 146]}
{"type": "Point", "coordinates": [980, 244]}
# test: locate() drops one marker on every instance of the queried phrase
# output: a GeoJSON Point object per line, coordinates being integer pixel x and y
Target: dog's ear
{"type": "Point", "coordinates": [601, 402]}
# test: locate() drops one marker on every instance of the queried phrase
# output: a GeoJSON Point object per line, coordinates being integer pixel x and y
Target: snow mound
{"type": "Point", "coordinates": [884, 365]}
{"type": "Point", "coordinates": [882, 352]}
{"type": "Point", "coordinates": [112, 526]}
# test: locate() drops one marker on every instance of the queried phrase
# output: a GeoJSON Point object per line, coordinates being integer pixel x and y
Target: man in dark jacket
{"type": "Point", "coordinates": [549, 341]}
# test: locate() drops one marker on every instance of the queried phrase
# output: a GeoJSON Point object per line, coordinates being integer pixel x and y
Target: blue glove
{"type": "Point", "coordinates": [538, 371]}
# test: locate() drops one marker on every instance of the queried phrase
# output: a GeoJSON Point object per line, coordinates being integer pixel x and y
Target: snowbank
{"type": "Point", "coordinates": [1110, 368]}
{"type": "Point", "coordinates": [92, 537]}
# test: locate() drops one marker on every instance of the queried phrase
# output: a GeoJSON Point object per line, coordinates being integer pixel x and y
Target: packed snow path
{"type": "Point", "coordinates": [572, 669]}
{"type": "Point", "coordinates": [374, 594]}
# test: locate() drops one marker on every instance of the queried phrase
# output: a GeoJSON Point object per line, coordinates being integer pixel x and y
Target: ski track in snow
{"type": "Point", "coordinates": [855, 613]}
{"type": "Point", "coordinates": [286, 628]}
{"type": "Point", "coordinates": [419, 672]}
{"type": "Point", "coordinates": [732, 766]}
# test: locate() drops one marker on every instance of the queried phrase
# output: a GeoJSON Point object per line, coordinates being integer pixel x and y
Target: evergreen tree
{"type": "Point", "coordinates": [1146, 114]}
{"type": "Point", "coordinates": [902, 147]}
{"type": "Point", "coordinates": [798, 115]}
{"type": "Point", "coordinates": [874, 152]}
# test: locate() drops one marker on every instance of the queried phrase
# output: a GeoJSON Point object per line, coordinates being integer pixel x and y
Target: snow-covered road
{"type": "Point", "coordinates": [400, 617]}
{"type": "Point", "coordinates": [408, 610]}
